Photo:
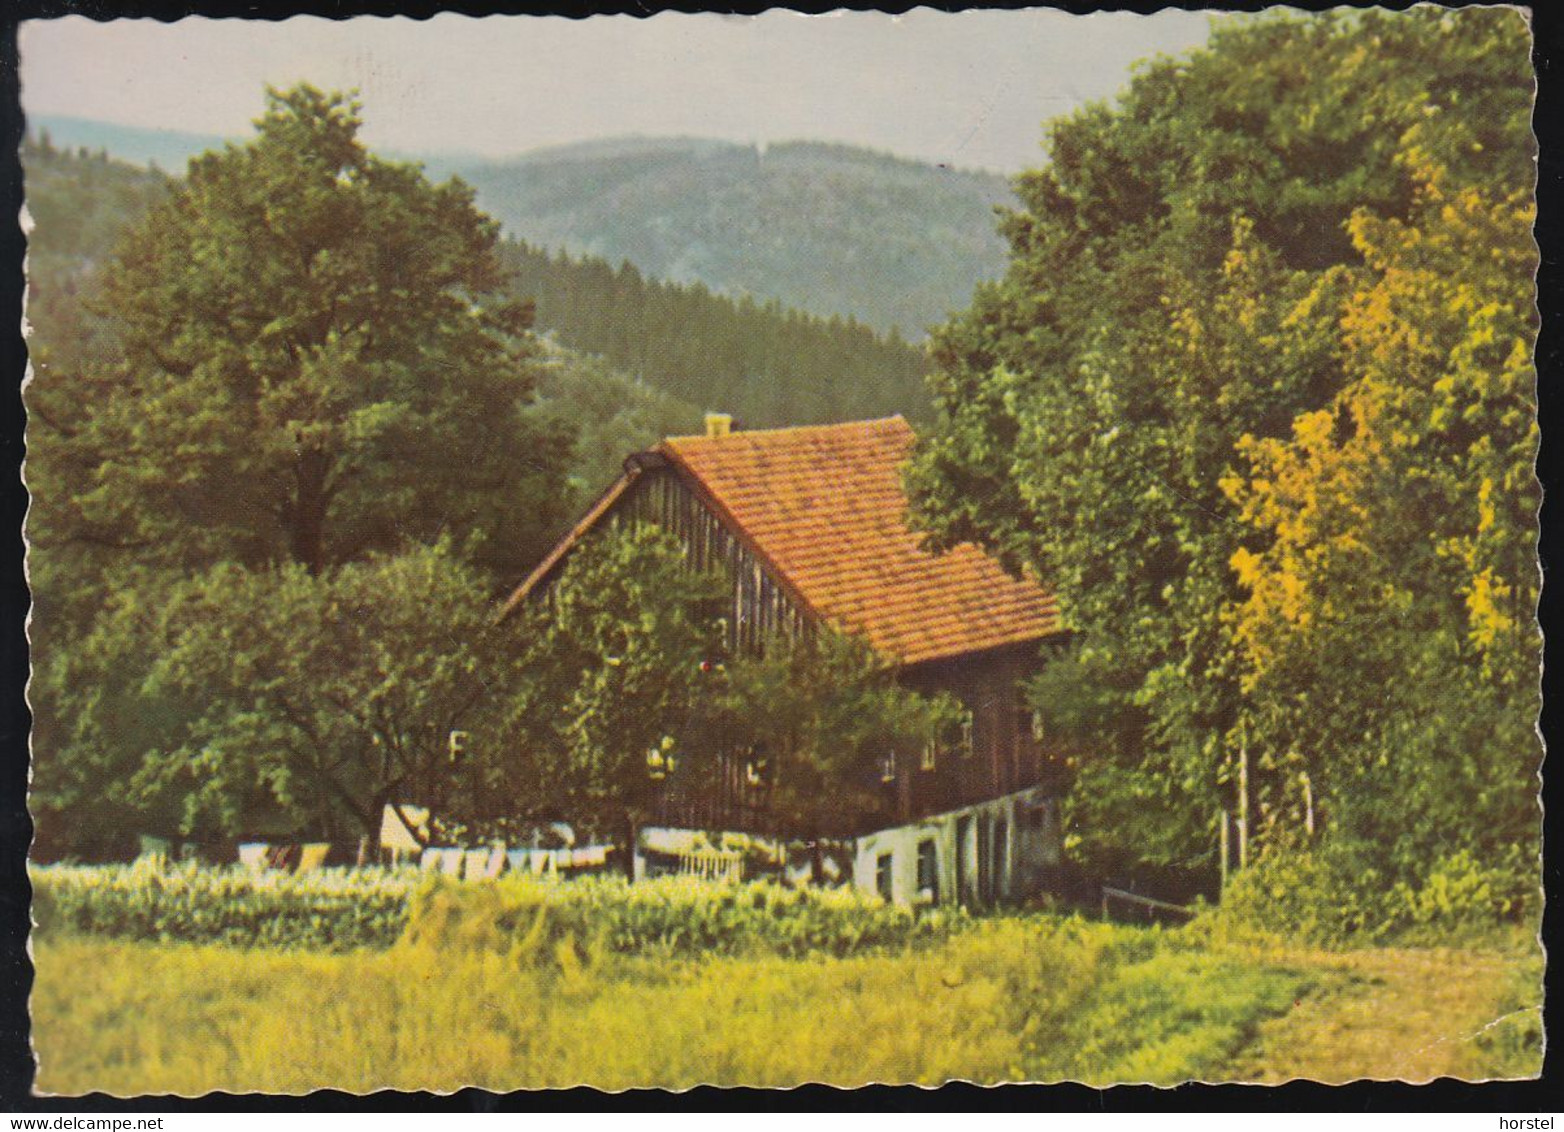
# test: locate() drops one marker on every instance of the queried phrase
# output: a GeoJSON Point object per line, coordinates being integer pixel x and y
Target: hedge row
{"type": "Point", "coordinates": [337, 909]}
{"type": "Point", "coordinates": [332, 909]}
{"type": "Point", "coordinates": [669, 915]}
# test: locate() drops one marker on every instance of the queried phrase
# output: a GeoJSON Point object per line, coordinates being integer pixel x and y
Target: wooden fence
{"type": "Point", "coordinates": [1151, 906]}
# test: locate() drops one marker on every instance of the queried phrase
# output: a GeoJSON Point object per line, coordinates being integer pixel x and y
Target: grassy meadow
{"type": "Point", "coordinates": [496, 987]}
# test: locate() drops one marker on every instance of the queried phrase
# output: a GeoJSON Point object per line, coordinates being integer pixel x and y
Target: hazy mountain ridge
{"type": "Point", "coordinates": [828, 228]}
{"type": "Point", "coordinates": [667, 349]}
{"type": "Point", "coordinates": [169, 150]}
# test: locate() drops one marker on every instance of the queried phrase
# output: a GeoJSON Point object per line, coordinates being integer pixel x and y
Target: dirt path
{"type": "Point", "coordinates": [1394, 1014]}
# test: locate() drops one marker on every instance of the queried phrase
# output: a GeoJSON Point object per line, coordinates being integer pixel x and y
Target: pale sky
{"type": "Point", "coordinates": [969, 89]}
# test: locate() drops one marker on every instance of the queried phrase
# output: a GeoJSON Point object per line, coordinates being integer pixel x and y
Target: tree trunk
{"type": "Point", "coordinates": [304, 516]}
{"type": "Point", "coordinates": [816, 864]}
{"type": "Point", "coordinates": [631, 831]}
{"type": "Point", "coordinates": [1243, 802]}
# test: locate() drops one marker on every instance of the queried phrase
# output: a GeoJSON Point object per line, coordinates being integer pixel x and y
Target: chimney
{"type": "Point", "coordinates": [718, 424]}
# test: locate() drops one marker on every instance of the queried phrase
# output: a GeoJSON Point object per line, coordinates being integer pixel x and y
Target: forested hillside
{"type": "Point", "coordinates": [764, 363]}
{"type": "Point", "coordinates": [610, 413]}
{"type": "Point", "coordinates": [830, 229]}
{"type": "Point", "coordinates": [79, 202]}
{"type": "Point", "coordinates": [674, 345]}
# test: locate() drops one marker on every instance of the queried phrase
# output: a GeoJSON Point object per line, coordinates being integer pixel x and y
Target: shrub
{"type": "Point", "coordinates": [1307, 897]}
{"type": "Point", "coordinates": [340, 909]}
{"type": "Point", "coordinates": [334, 909]}
{"type": "Point", "coordinates": [1331, 897]}
{"type": "Point", "coordinates": [1461, 894]}
{"type": "Point", "coordinates": [668, 915]}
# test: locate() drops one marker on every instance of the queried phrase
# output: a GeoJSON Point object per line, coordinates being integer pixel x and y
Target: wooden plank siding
{"type": "Point", "coordinates": [1003, 756]}
{"type": "Point", "coordinates": [759, 608]}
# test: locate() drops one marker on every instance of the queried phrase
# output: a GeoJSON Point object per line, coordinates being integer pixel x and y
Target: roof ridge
{"type": "Point", "coordinates": [788, 430]}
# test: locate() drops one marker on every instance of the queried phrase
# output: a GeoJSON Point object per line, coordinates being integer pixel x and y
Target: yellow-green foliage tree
{"type": "Point", "coordinates": [1151, 412]}
{"type": "Point", "coordinates": [1387, 634]}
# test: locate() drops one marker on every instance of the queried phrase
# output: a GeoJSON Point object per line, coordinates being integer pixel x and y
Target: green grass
{"type": "Point", "coordinates": [1177, 1016]}
{"type": "Point", "coordinates": [1406, 1014]}
{"type": "Point", "coordinates": [526, 985]}
{"type": "Point", "coordinates": [1023, 998]}
{"type": "Point", "coordinates": [1510, 1045]}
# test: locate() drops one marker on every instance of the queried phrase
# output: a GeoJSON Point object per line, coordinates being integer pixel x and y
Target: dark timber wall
{"type": "Point", "coordinates": [1001, 757]}
{"type": "Point", "coordinates": [1003, 754]}
{"type": "Point", "coordinates": [760, 607]}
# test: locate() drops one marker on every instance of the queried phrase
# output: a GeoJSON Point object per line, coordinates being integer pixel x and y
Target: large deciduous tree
{"type": "Point", "coordinates": [313, 367]}
{"type": "Point", "coordinates": [1185, 274]}
{"type": "Point", "coordinates": [319, 360]}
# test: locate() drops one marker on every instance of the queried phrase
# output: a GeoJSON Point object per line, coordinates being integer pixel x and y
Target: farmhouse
{"type": "Point", "coordinates": [810, 527]}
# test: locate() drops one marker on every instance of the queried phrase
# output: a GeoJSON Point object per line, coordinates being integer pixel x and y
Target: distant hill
{"type": "Point", "coordinates": [830, 229]}
{"type": "Point", "coordinates": [769, 365]}
{"type": "Point", "coordinates": [79, 204]}
{"type": "Point", "coordinates": [169, 150]}
{"type": "Point", "coordinates": [668, 350]}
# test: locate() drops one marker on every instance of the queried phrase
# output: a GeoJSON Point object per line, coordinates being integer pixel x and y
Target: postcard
{"type": "Point", "coordinates": [993, 546]}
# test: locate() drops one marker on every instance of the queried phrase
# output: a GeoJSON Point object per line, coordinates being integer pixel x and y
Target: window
{"type": "Point", "coordinates": [1029, 721]}
{"type": "Point", "coordinates": [930, 754]}
{"type": "Point", "coordinates": [882, 875]}
{"type": "Point", "coordinates": [966, 734]}
{"type": "Point", "coordinates": [888, 768]}
{"type": "Point", "coordinates": [928, 870]}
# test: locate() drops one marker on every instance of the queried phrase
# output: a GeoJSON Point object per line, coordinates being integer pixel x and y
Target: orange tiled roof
{"type": "Point", "coordinates": [825, 505]}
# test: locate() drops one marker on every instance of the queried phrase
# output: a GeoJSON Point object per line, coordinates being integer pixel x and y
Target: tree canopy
{"type": "Point", "coordinates": [820, 714]}
{"type": "Point", "coordinates": [312, 375]}
{"type": "Point", "coordinates": [1267, 319]}
{"type": "Point", "coordinates": [317, 358]}
{"type": "Point", "coordinates": [617, 661]}
{"type": "Point", "coordinates": [383, 681]}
